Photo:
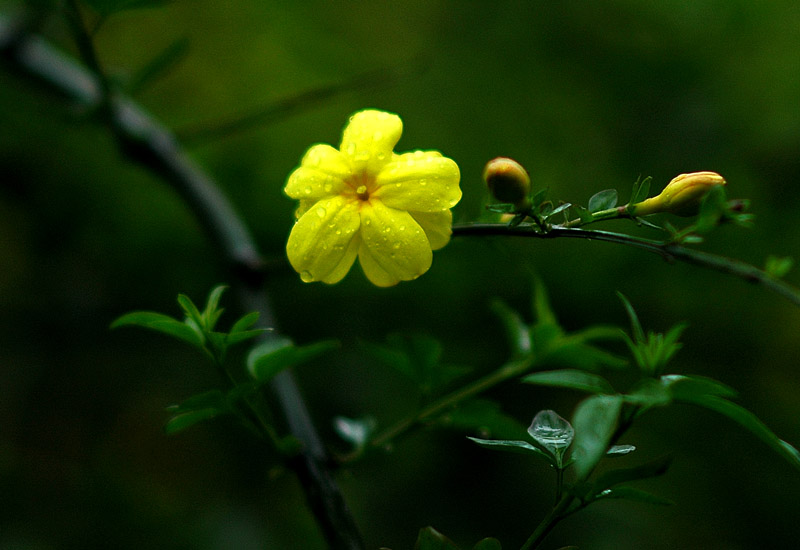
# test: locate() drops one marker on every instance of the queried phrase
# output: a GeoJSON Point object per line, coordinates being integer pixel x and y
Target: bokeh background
{"type": "Point", "coordinates": [587, 95]}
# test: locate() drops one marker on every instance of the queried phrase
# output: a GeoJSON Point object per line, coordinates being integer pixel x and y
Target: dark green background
{"type": "Point", "coordinates": [586, 95]}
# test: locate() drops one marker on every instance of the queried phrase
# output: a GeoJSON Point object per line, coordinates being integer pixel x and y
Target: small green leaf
{"type": "Point", "coordinates": [609, 479]}
{"type": "Point", "coordinates": [595, 421]}
{"type": "Point", "coordinates": [431, 539]}
{"type": "Point", "coordinates": [271, 357]}
{"type": "Point", "coordinates": [641, 189]}
{"type": "Point", "coordinates": [161, 323]}
{"type": "Point", "coordinates": [603, 200]}
{"type": "Point", "coordinates": [649, 393]}
{"type": "Point", "coordinates": [522, 447]}
{"type": "Point", "coordinates": [191, 311]}
{"type": "Point", "coordinates": [186, 420]}
{"type": "Point", "coordinates": [620, 450]}
{"type": "Point", "coordinates": [197, 408]}
{"type": "Point", "coordinates": [209, 399]}
{"type": "Point", "coordinates": [245, 322]}
{"type": "Point", "coordinates": [684, 387]}
{"type": "Point", "coordinates": [488, 544]}
{"type": "Point", "coordinates": [516, 330]}
{"type": "Point", "coordinates": [212, 312]}
{"type": "Point", "coordinates": [747, 420]}
{"type": "Point", "coordinates": [563, 207]}
{"type": "Point", "coordinates": [541, 305]}
{"type": "Point", "coordinates": [636, 326]}
{"type": "Point", "coordinates": [237, 337]}
{"type": "Point", "coordinates": [484, 417]}
{"type": "Point", "coordinates": [572, 379]}
{"type": "Point", "coordinates": [777, 267]}
{"type": "Point", "coordinates": [630, 493]}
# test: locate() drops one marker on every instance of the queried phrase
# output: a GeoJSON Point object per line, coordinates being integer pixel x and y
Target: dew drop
{"type": "Point", "coordinates": [307, 190]}
{"type": "Point", "coordinates": [351, 148]}
{"type": "Point", "coordinates": [321, 212]}
{"type": "Point", "coordinates": [423, 182]}
{"type": "Point", "coordinates": [396, 245]}
{"type": "Point", "coordinates": [361, 189]}
{"type": "Point", "coordinates": [306, 276]}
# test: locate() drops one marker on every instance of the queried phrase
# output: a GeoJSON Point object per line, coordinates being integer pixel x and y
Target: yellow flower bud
{"type": "Point", "coordinates": [507, 180]}
{"type": "Point", "coordinates": [682, 196]}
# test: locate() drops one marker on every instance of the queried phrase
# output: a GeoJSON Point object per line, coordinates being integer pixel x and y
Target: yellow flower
{"type": "Point", "coordinates": [363, 200]}
{"type": "Point", "coordinates": [681, 196]}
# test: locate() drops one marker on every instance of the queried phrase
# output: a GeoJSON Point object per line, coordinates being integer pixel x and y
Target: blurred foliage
{"type": "Point", "coordinates": [585, 96]}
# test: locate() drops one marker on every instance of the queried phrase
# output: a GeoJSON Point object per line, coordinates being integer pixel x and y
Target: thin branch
{"type": "Point", "coordinates": [147, 142]}
{"type": "Point", "coordinates": [669, 251]}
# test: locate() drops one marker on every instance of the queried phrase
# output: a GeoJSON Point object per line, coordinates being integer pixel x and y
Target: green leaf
{"type": "Point", "coordinates": [245, 322]}
{"type": "Point", "coordinates": [641, 189]}
{"type": "Point", "coordinates": [595, 421]}
{"type": "Point", "coordinates": [541, 305]}
{"type": "Point", "coordinates": [777, 267]}
{"type": "Point", "coordinates": [649, 393]}
{"type": "Point", "coordinates": [273, 356]}
{"type": "Point", "coordinates": [186, 420]}
{"type": "Point", "coordinates": [161, 323]}
{"type": "Point", "coordinates": [636, 326]}
{"type": "Point", "coordinates": [205, 400]}
{"type": "Point", "coordinates": [212, 312]}
{"type": "Point", "coordinates": [488, 544]}
{"type": "Point", "coordinates": [237, 337]}
{"type": "Point", "coordinates": [712, 209]}
{"type": "Point", "coordinates": [685, 387]}
{"type": "Point", "coordinates": [620, 450]}
{"type": "Point", "coordinates": [195, 409]}
{"type": "Point", "coordinates": [609, 479]}
{"type": "Point", "coordinates": [571, 378]}
{"type": "Point", "coordinates": [520, 447]}
{"type": "Point", "coordinates": [563, 207]}
{"type": "Point", "coordinates": [517, 332]}
{"type": "Point", "coordinates": [107, 7]}
{"type": "Point", "coordinates": [747, 420]}
{"type": "Point", "coordinates": [431, 539]}
{"type": "Point", "coordinates": [191, 311]}
{"type": "Point", "coordinates": [637, 495]}
{"type": "Point", "coordinates": [482, 416]}
{"type": "Point", "coordinates": [603, 200]}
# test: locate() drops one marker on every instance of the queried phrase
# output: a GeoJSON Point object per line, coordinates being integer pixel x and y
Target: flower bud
{"type": "Point", "coordinates": [682, 196]}
{"type": "Point", "coordinates": [507, 180]}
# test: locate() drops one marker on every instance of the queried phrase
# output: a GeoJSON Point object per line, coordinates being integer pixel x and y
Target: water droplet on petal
{"type": "Point", "coordinates": [351, 149]}
{"type": "Point", "coordinates": [307, 190]}
{"type": "Point", "coordinates": [361, 189]}
{"type": "Point", "coordinates": [321, 212]}
{"type": "Point", "coordinates": [306, 276]}
{"type": "Point", "coordinates": [423, 182]}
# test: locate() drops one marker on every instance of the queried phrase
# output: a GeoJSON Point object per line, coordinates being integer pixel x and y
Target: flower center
{"type": "Point", "coordinates": [361, 184]}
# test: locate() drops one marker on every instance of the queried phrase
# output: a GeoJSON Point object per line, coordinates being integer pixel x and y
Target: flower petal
{"type": "Point", "coordinates": [369, 138]}
{"type": "Point", "coordinates": [320, 242]}
{"type": "Point", "coordinates": [394, 241]}
{"type": "Point", "coordinates": [345, 263]}
{"type": "Point", "coordinates": [372, 269]}
{"type": "Point", "coordinates": [423, 181]}
{"type": "Point", "coordinates": [438, 226]}
{"type": "Point", "coordinates": [321, 174]}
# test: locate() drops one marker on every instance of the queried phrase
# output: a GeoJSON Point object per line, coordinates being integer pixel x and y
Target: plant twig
{"type": "Point", "coordinates": [669, 251]}
{"type": "Point", "coordinates": [148, 143]}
